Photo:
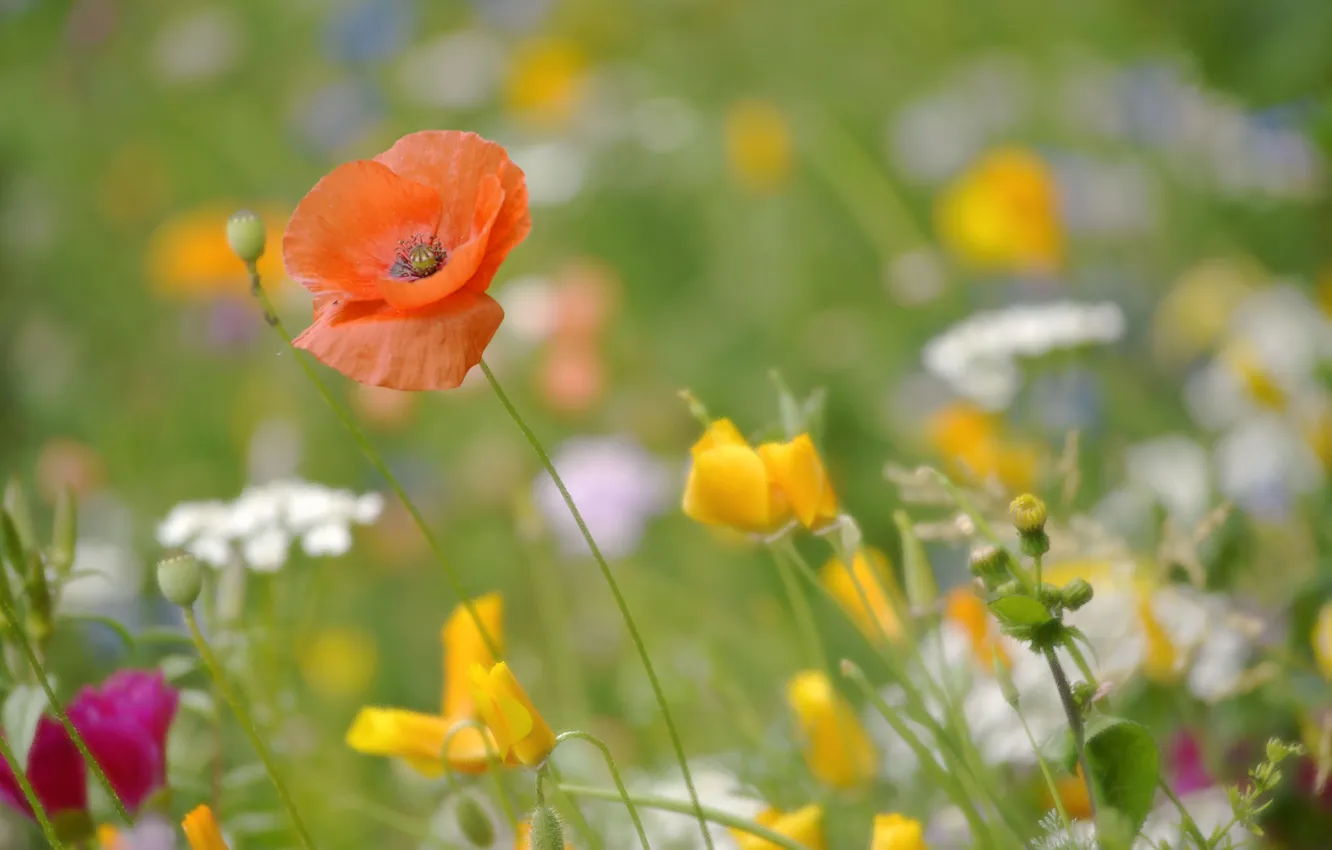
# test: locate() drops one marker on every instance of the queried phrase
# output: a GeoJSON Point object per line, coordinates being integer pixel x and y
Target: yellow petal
{"type": "Point", "coordinates": [758, 144]}
{"type": "Point", "coordinates": [804, 825]}
{"type": "Point", "coordinates": [464, 646]}
{"type": "Point", "coordinates": [963, 608]}
{"type": "Point", "coordinates": [109, 838]}
{"type": "Point", "coordinates": [202, 831]}
{"type": "Point", "coordinates": [897, 832]}
{"type": "Point", "coordinates": [510, 715]}
{"type": "Point", "coordinates": [417, 738]}
{"type": "Point", "coordinates": [728, 485]}
{"type": "Point", "coordinates": [1322, 640]}
{"type": "Point", "coordinates": [798, 472]}
{"type": "Point", "coordinates": [865, 592]}
{"type": "Point", "coordinates": [1161, 661]}
{"type": "Point", "coordinates": [722, 432]}
{"type": "Point", "coordinates": [837, 748]}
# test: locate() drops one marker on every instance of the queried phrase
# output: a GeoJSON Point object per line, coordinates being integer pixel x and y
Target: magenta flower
{"type": "Point", "coordinates": [125, 724]}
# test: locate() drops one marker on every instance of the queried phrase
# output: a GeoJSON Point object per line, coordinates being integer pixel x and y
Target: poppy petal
{"type": "Point", "coordinates": [461, 263]}
{"type": "Point", "coordinates": [55, 769]}
{"type": "Point", "coordinates": [346, 233]}
{"type": "Point", "coordinates": [454, 163]}
{"type": "Point", "coordinates": [428, 349]}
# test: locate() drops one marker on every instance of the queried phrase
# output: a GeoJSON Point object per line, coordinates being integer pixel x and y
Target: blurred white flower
{"type": "Point", "coordinates": [461, 70]}
{"type": "Point", "coordinates": [1176, 472]}
{"type": "Point", "coordinates": [555, 171]}
{"type": "Point", "coordinates": [716, 787]}
{"type": "Point", "coordinates": [979, 357]}
{"type": "Point", "coordinates": [617, 485]}
{"type": "Point", "coordinates": [198, 47]}
{"type": "Point", "coordinates": [262, 522]}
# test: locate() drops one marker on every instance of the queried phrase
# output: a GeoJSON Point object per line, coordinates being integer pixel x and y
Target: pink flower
{"type": "Point", "coordinates": [124, 723]}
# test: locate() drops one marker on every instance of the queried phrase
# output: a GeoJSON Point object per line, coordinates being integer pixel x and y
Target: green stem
{"type": "Point", "coordinates": [35, 663]}
{"type": "Point", "coordinates": [614, 587]}
{"type": "Point", "coordinates": [800, 608]}
{"type": "Point", "coordinates": [1071, 644]}
{"type": "Point", "coordinates": [1036, 567]}
{"type": "Point", "coordinates": [710, 815]}
{"type": "Point", "coordinates": [615, 775]}
{"type": "Point", "coordinates": [1046, 772]}
{"type": "Point", "coordinates": [949, 783]}
{"type": "Point", "coordinates": [377, 461]}
{"type": "Point", "coordinates": [1074, 715]}
{"type": "Point", "coordinates": [494, 760]}
{"type": "Point", "coordinates": [29, 794]}
{"type": "Point", "coordinates": [247, 724]}
{"type": "Point", "coordinates": [575, 814]}
{"type": "Point", "coordinates": [1190, 825]}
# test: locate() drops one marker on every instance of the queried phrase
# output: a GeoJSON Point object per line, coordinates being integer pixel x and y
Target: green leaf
{"type": "Point", "coordinates": [1020, 611]}
{"type": "Point", "coordinates": [1124, 765]}
{"type": "Point", "coordinates": [22, 709]}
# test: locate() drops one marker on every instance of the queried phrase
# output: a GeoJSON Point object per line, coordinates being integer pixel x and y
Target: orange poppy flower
{"type": "Point", "coordinates": [399, 250]}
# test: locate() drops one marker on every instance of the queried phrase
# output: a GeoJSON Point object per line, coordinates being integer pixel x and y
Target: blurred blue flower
{"type": "Point", "coordinates": [336, 114]}
{"type": "Point", "coordinates": [1067, 400]}
{"type": "Point", "coordinates": [369, 31]}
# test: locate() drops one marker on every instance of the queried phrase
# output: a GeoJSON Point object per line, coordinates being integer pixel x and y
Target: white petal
{"type": "Point", "coordinates": [329, 539]}
{"type": "Point", "coordinates": [266, 551]}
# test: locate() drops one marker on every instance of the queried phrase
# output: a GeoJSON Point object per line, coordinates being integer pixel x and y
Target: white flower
{"type": "Point", "coordinates": [260, 524]}
{"type": "Point", "coordinates": [716, 788]}
{"type": "Point", "coordinates": [979, 357]}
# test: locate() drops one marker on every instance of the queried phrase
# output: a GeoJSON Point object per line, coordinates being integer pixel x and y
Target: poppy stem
{"type": "Point", "coordinates": [615, 775]}
{"type": "Point", "coordinates": [25, 646]}
{"type": "Point", "coordinates": [247, 724]}
{"type": "Point", "coordinates": [29, 794]}
{"type": "Point", "coordinates": [614, 586]}
{"type": "Point", "coordinates": [377, 461]}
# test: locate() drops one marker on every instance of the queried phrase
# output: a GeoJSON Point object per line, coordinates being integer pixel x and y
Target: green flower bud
{"type": "Point", "coordinates": [1034, 543]}
{"type": "Point", "coordinates": [1050, 596]}
{"type": "Point", "coordinates": [1084, 695]}
{"type": "Point", "coordinates": [1012, 587]}
{"type": "Point", "coordinates": [1028, 514]}
{"type": "Point", "coordinates": [547, 831]}
{"type": "Point", "coordinates": [180, 579]}
{"type": "Point", "coordinates": [990, 565]}
{"type": "Point", "coordinates": [246, 236]}
{"type": "Point", "coordinates": [474, 823]}
{"type": "Point", "coordinates": [1077, 593]}
{"type": "Point", "coordinates": [64, 532]}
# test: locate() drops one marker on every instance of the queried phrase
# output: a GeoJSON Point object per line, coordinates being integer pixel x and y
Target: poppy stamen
{"type": "Point", "coordinates": [418, 257]}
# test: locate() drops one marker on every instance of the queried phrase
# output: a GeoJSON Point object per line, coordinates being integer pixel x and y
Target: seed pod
{"type": "Point", "coordinates": [474, 823]}
{"type": "Point", "coordinates": [246, 236]}
{"type": "Point", "coordinates": [547, 831]}
{"type": "Point", "coordinates": [180, 579]}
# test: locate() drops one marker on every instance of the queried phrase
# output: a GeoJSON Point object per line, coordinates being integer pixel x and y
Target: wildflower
{"type": "Point", "coordinates": [262, 522]}
{"type": "Point", "coordinates": [1002, 214]}
{"type": "Point", "coordinates": [1073, 796]}
{"type": "Point", "coordinates": [618, 486]}
{"type": "Point", "coordinates": [419, 738]}
{"type": "Point", "coordinates": [732, 484]}
{"type": "Point", "coordinates": [124, 723]}
{"type": "Point", "coordinates": [972, 439]}
{"type": "Point", "coordinates": [546, 80]}
{"type": "Point", "coordinates": [804, 825]}
{"type": "Point", "coordinates": [897, 832]}
{"type": "Point", "coordinates": [865, 592]}
{"type": "Point", "coordinates": [1322, 640]}
{"type": "Point", "coordinates": [758, 144]}
{"type": "Point", "coordinates": [338, 662]}
{"type": "Point", "coordinates": [399, 251]}
{"type": "Point", "coordinates": [189, 255]}
{"type": "Point", "coordinates": [509, 714]}
{"type": "Point", "coordinates": [967, 611]}
{"type": "Point", "coordinates": [202, 831]}
{"type": "Point", "coordinates": [837, 749]}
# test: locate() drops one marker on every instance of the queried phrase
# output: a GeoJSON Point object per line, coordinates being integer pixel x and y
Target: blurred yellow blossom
{"type": "Point", "coordinates": [1072, 789]}
{"type": "Point", "coordinates": [546, 80]}
{"type": "Point", "coordinates": [897, 832]}
{"type": "Point", "coordinates": [1244, 362]}
{"type": "Point", "coordinates": [837, 748]}
{"type": "Point", "coordinates": [804, 825]}
{"type": "Point", "coordinates": [1322, 640]}
{"type": "Point", "coordinates": [972, 439]}
{"type": "Point", "coordinates": [865, 592]}
{"type": "Point", "coordinates": [109, 838]}
{"type": "Point", "coordinates": [509, 714]}
{"type": "Point", "coordinates": [1002, 214]}
{"type": "Point", "coordinates": [756, 490]}
{"type": "Point", "coordinates": [758, 144]}
{"type": "Point", "coordinates": [419, 738]}
{"type": "Point", "coordinates": [1196, 311]}
{"type": "Point", "coordinates": [339, 663]}
{"type": "Point", "coordinates": [964, 609]}
{"type": "Point", "coordinates": [202, 831]}
{"type": "Point", "coordinates": [188, 255]}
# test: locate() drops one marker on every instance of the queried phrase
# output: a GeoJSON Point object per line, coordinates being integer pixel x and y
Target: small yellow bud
{"type": "Point", "coordinates": [990, 565]}
{"type": "Point", "coordinates": [180, 579]}
{"type": "Point", "coordinates": [246, 236]}
{"type": "Point", "coordinates": [1028, 514]}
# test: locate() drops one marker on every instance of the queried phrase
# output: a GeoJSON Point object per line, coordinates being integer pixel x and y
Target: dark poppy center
{"type": "Point", "coordinates": [418, 257]}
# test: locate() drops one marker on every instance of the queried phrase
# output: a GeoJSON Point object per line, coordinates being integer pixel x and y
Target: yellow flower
{"type": "Point", "coordinates": [419, 738]}
{"type": "Point", "coordinates": [1322, 640]}
{"type": "Point", "coordinates": [837, 748]}
{"type": "Point", "coordinates": [189, 256]}
{"type": "Point", "coordinates": [1248, 367]}
{"type": "Point", "coordinates": [464, 647]}
{"type": "Point", "coordinates": [1160, 661]}
{"type": "Point", "coordinates": [971, 440]}
{"type": "Point", "coordinates": [546, 80]}
{"type": "Point", "coordinates": [964, 609]}
{"type": "Point", "coordinates": [339, 662]}
{"type": "Point", "coordinates": [509, 714]}
{"type": "Point", "coordinates": [758, 144]}
{"type": "Point", "coordinates": [202, 831]}
{"type": "Point", "coordinates": [897, 832]}
{"type": "Point", "coordinates": [1002, 214]}
{"type": "Point", "coordinates": [109, 838]}
{"type": "Point", "coordinates": [866, 592]}
{"type": "Point", "coordinates": [1073, 795]}
{"type": "Point", "coordinates": [756, 490]}
{"type": "Point", "coordinates": [804, 825]}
